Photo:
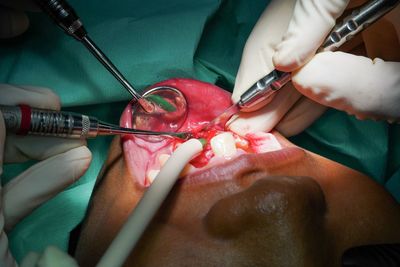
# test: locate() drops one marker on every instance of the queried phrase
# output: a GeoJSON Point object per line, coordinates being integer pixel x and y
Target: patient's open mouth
{"type": "Point", "coordinates": [145, 156]}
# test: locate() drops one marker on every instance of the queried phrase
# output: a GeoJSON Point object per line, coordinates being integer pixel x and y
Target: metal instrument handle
{"type": "Point", "coordinates": [24, 120]}
{"type": "Point", "coordinates": [264, 88]}
{"type": "Point", "coordinates": [64, 16]}
{"type": "Point", "coordinates": [351, 25]}
{"type": "Point", "coordinates": [356, 22]}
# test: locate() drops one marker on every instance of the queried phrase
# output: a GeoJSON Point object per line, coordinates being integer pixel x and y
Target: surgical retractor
{"type": "Point", "coordinates": [24, 120]}
{"type": "Point", "coordinates": [65, 17]}
{"type": "Point", "coordinates": [275, 80]}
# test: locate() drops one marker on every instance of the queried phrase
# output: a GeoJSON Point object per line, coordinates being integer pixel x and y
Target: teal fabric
{"type": "Point", "coordinates": [393, 168]}
{"type": "Point", "coordinates": [151, 41]}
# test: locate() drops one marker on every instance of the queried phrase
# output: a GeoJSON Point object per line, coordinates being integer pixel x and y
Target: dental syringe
{"type": "Point", "coordinates": [24, 120]}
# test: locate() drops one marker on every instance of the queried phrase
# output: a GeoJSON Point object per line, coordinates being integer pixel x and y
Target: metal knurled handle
{"type": "Point", "coordinates": [51, 123]}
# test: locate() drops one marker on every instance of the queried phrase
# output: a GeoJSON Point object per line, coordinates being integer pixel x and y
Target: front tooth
{"type": "Point", "coordinates": [151, 175]}
{"type": "Point", "coordinates": [223, 145]}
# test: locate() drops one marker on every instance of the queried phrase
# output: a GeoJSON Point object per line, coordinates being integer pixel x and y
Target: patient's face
{"type": "Point", "coordinates": [258, 201]}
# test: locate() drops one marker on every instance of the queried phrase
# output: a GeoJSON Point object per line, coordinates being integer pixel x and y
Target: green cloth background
{"type": "Point", "coordinates": [151, 41]}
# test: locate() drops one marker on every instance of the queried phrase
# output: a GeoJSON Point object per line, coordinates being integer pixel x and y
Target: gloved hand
{"type": "Point", "coordinates": [13, 20]}
{"type": "Point", "coordinates": [360, 86]}
{"type": "Point", "coordinates": [61, 163]}
{"type": "Point", "coordinates": [51, 257]}
{"type": "Point", "coordinates": [289, 112]}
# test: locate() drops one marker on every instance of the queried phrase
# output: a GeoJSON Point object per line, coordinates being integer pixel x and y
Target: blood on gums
{"type": "Point", "coordinates": [205, 156]}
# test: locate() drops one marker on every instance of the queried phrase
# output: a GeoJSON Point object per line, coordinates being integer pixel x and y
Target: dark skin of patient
{"type": "Point", "coordinates": [285, 208]}
{"type": "Point", "coordinates": [304, 210]}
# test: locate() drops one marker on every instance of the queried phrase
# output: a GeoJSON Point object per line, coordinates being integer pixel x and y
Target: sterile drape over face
{"type": "Point", "coordinates": [151, 41]}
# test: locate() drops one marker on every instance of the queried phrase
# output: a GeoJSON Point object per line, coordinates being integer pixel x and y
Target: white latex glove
{"type": "Point", "coordinates": [288, 111]}
{"type": "Point", "coordinates": [360, 86]}
{"type": "Point", "coordinates": [51, 257]}
{"type": "Point", "coordinates": [13, 20]}
{"type": "Point", "coordinates": [62, 162]}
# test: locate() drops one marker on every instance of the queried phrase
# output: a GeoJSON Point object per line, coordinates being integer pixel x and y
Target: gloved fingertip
{"type": "Point", "coordinates": [41, 182]}
{"type": "Point", "coordinates": [251, 122]}
{"type": "Point", "coordinates": [38, 97]}
{"type": "Point", "coordinates": [236, 94]}
{"type": "Point", "coordinates": [306, 77]}
{"type": "Point", "coordinates": [238, 128]}
{"type": "Point", "coordinates": [30, 260]}
{"type": "Point", "coordinates": [52, 256]}
{"type": "Point", "coordinates": [286, 59]}
{"type": "Point", "coordinates": [50, 100]}
{"type": "Point", "coordinates": [12, 23]}
{"type": "Point", "coordinates": [81, 158]}
{"type": "Point", "coordinates": [279, 60]}
{"type": "Point", "coordinates": [300, 117]}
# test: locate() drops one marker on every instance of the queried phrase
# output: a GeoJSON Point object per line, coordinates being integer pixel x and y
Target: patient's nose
{"type": "Point", "coordinates": [275, 214]}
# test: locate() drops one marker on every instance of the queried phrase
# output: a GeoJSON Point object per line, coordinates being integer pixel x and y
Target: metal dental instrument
{"type": "Point", "coordinates": [24, 120]}
{"type": "Point", "coordinates": [65, 17]}
{"type": "Point", "coordinates": [264, 88]}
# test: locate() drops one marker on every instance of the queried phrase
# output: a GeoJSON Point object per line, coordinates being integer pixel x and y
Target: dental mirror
{"type": "Point", "coordinates": [169, 114]}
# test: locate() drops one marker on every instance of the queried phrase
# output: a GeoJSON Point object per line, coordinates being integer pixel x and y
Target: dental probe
{"type": "Point", "coordinates": [264, 88]}
{"type": "Point", "coordinates": [65, 17]}
{"type": "Point", "coordinates": [152, 199]}
{"type": "Point", "coordinates": [24, 120]}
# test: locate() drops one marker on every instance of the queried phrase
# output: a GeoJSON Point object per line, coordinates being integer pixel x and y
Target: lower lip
{"type": "Point", "coordinates": [246, 163]}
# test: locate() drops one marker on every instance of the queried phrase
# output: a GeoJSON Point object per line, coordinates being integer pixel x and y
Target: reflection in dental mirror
{"type": "Point", "coordinates": [169, 114]}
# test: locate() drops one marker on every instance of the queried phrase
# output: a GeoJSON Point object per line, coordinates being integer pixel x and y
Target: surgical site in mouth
{"type": "Point", "coordinates": [146, 155]}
